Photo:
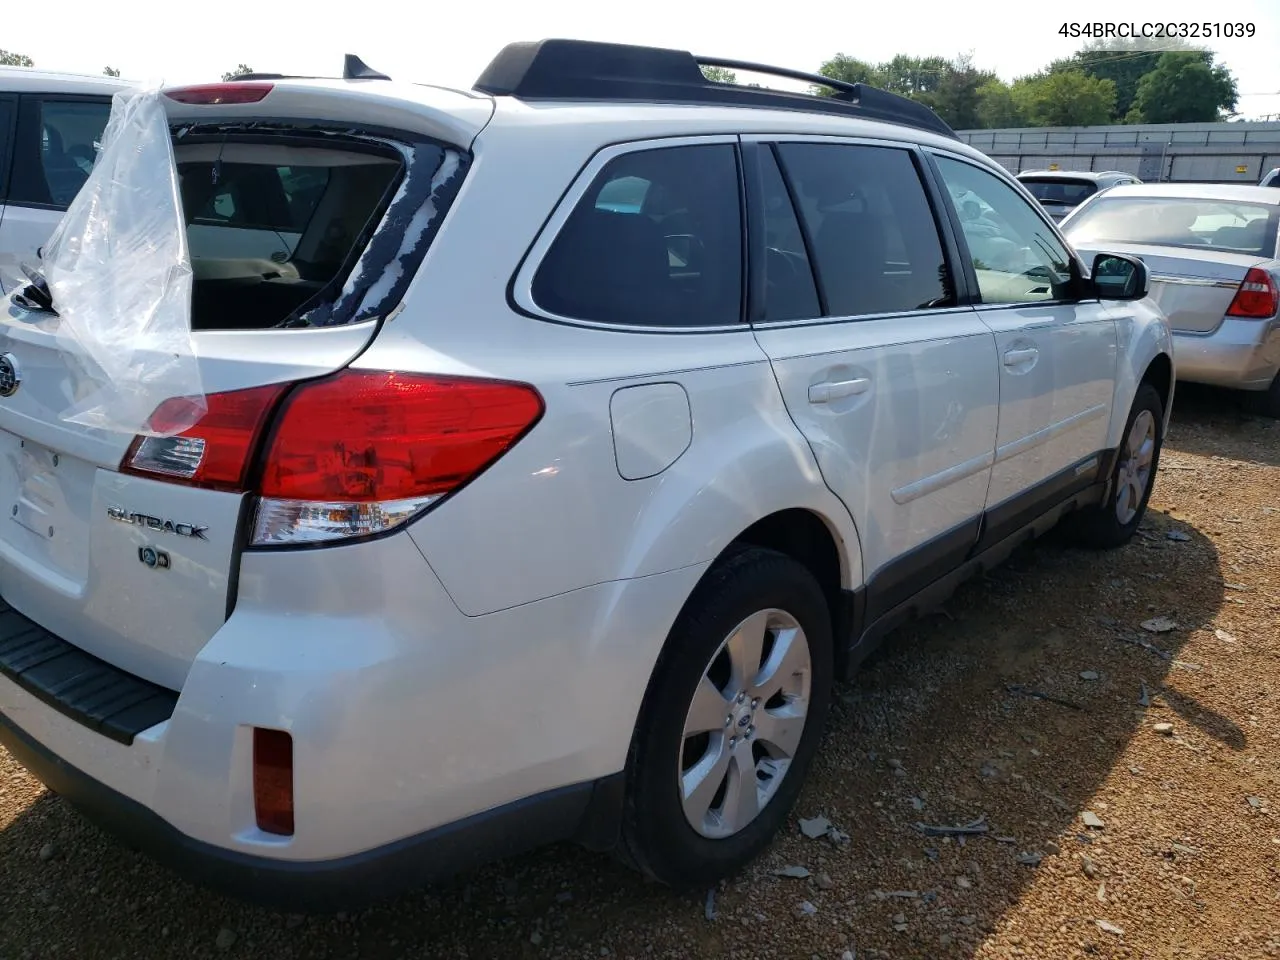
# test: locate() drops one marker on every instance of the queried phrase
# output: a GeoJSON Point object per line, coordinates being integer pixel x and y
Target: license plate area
{"type": "Point", "coordinates": [45, 498]}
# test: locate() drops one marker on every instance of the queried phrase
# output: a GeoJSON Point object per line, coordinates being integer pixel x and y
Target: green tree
{"type": "Point", "coordinates": [957, 99]}
{"type": "Point", "coordinates": [914, 77]}
{"type": "Point", "coordinates": [850, 70]}
{"type": "Point", "coordinates": [719, 75]}
{"type": "Point", "coordinates": [1123, 62]}
{"type": "Point", "coordinates": [1185, 88]}
{"type": "Point", "coordinates": [997, 107]}
{"type": "Point", "coordinates": [239, 71]}
{"type": "Point", "coordinates": [1070, 98]}
{"type": "Point", "coordinates": [8, 59]}
{"type": "Point", "coordinates": [111, 71]}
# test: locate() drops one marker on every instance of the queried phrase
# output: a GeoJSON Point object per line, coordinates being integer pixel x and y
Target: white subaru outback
{"type": "Point", "coordinates": [545, 453]}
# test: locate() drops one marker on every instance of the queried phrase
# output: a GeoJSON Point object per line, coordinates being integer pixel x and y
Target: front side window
{"type": "Point", "coordinates": [1217, 225]}
{"type": "Point", "coordinates": [1016, 256]}
{"type": "Point", "coordinates": [656, 241]}
{"type": "Point", "coordinates": [875, 241]}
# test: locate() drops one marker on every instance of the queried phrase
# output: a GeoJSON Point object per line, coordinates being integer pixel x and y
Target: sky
{"type": "Point", "coordinates": [451, 44]}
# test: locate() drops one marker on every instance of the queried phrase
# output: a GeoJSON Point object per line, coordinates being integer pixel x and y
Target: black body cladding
{"type": "Point", "coordinates": [586, 70]}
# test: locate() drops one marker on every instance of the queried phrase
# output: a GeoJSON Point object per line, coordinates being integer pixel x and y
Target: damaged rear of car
{"type": "Point", "coordinates": [175, 396]}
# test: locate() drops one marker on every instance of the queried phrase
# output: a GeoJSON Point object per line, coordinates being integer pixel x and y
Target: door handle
{"type": "Point", "coordinates": [1014, 358]}
{"type": "Point", "coordinates": [836, 389]}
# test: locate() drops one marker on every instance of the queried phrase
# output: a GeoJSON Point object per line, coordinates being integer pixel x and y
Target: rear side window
{"type": "Point", "coordinates": [655, 241]}
{"type": "Point", "coordinates": [274, 228]}
{"type": "Point", "coordinates": [57, 145]}
{"type": "Point", "coordinates": [875, 241]}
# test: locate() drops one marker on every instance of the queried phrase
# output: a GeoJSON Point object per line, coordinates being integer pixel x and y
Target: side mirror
{"type": "Point", "coordinates": [1117, 277]}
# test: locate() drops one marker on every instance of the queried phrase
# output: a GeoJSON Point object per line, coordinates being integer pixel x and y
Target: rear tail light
{"type": "Point", "coordinates": [355, 454]}
{"type": "Point", "coordinates": [273, 781]}
{"type": "Point", "coordinates": [1257, 298]}
{"type": "Point", "coordinates": [244, 91]}
{"type": "Point", "coordinates": [218, 450]}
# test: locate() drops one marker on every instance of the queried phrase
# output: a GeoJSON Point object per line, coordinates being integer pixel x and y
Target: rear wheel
{"type": "Point", "coordinates": [1113, 523]}
{"type": "Point", "coordinates": [1267, 402]}
{"type": "Point", "coordinates": [731, 721]}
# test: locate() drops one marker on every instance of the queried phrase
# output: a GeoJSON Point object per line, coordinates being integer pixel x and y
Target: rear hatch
{"type": "Point", "coordinates": [1193, 287]}
{"type": "Point", "coordinates": [303, 236]}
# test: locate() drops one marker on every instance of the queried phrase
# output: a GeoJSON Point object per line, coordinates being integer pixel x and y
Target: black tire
{"type": "Point", "coordinates": [1099, 527]}
{"type": "Point", "coordinates": [1266, 403]}
{"type": "Point", "coordinates": [657, 839]}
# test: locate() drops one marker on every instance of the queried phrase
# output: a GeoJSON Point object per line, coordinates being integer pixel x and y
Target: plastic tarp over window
{"type": "Point", "coordinates": [119, 274]}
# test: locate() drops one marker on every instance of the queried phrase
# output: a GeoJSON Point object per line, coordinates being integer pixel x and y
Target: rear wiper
{"type": "Point", "coordinates": [35, 295]}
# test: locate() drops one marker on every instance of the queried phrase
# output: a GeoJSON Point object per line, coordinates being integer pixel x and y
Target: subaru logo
{"type": "Point", "coordinates": [10, 377]}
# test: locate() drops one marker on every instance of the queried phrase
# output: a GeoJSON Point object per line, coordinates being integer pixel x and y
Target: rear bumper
{"type": "Point", "coordinates": [572, 811]}
{"type": "Point", "coordinates": [1241, 354]}
{"type": "Point", "coordinates": [424, 741]}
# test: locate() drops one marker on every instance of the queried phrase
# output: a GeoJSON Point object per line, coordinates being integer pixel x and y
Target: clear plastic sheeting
{"type": "Point", "coordinates": [119, 273]}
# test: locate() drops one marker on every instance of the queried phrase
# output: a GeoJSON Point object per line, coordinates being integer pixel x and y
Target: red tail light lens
{"type": "Point", "coordinates": [273, 781]}
{"type": "Point", "coordinates": [365, 437]}
{"type": "Point", "coordinates": [1257, 298]}
{"type": "Point", "coordinates": [245, 91]}
{"type": "Point", "coordinates": [354, 454]}
{"type": "Point", "coordinates": [218, 450]}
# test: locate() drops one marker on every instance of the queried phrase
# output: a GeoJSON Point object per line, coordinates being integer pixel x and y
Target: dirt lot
{"type": "Point", "coordinates": [1183, 859]}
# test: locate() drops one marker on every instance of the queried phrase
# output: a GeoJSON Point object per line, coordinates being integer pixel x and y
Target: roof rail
{"type": "Point", "coordinates": [587, 70]}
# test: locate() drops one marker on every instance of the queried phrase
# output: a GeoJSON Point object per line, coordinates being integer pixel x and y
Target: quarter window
{"type": "Point", "coordinates": [57, 146]}
{"type": "Point", "coordinates": [655, 241]}
{"type": "Point", "coordinates": [875, 241]}
{"type": "Point", "coordinates": [1016, 256]}
{"type": "Point", "coordinates": [789, 289]}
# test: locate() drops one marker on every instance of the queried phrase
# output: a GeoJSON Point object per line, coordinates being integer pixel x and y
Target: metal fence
{"type": "Point", "coordinates": [1199, 152]}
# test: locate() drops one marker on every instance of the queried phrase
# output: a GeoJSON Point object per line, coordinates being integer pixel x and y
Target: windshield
{"type": "Point", "coordinates": [1065, 191]}
{"type": "Point", "coordinates": [1221, 225]}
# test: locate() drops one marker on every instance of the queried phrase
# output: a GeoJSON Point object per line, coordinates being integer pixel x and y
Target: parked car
{"type": "Point", "coordinates": [1061, 191]}
{"type": "Point", "coordinates": [1213, 251]}
{"type": "Point", "coordinates": [49, 125]}
{"type": "Point", "coordinates": [1272, 179]}
{"type": "Point", "coordinates": [446, 571]}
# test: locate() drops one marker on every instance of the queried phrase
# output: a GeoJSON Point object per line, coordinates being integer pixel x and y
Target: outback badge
{"type": "Point", "coordinates": [191, 530]}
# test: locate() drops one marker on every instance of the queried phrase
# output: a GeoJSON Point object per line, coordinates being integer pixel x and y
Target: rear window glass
{"type": "Point", "coordinates": [1228, 227]}
{"type": "Point", "coordinates": [656, 241]}
{"type": "Point", "coordinates": [1070, 192]}
{"type": "Point", "coordinates": [272, 228]}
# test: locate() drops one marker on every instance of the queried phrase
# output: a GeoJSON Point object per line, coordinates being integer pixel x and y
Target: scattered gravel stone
{"type": "Point", "coordinates": [1109, 928]}
{"type": "Point", "coordinates": [895, 764]}
{"type": "Point", "coordinates": [1159, 625]}
{"type": "Point", "coordinates": [1178, 536]}
{"type": "Point", "coordinates": [815, 827]}
{"type": "Point", "coordinates": [535, 938]}
{"type": "Point", "coordinates": [1164, 729]}
{"type": "Point", "coordinates": [1030, 859]}
{"type": "Point", "coordinates": [964, 883]}
{"type": "Point", "coordinates": [1091, 820]}
{"type": "Point", "coordinates": [710, 908]}
{"type": "Point", "coordinates": [824, 881]}
{"type": "Point", "coordinates": [1255, 802]}
{"type": "Point", "coordinates": [1089, 867]}
{"type": "Point", "coordinates": [1088, 675]}
{"type": "Point", "coordinates": [794, 870]}
{"type": "Point", "coordinates": [1224, 636]}
{"type": "Point", "coordinates": [47, 852]}
{"type": "Point", "coordinates": [226, 937]}
{"type": "Point", "coordinates": [848, 955]}
{"type": "Point", "coordinates": [806, 909]}
{"type": "Point", "coordinates": [564, 896]}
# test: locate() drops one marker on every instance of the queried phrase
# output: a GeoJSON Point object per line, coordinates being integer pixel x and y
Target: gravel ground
{"type": "Point", "coordinates": [1131, 806]}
